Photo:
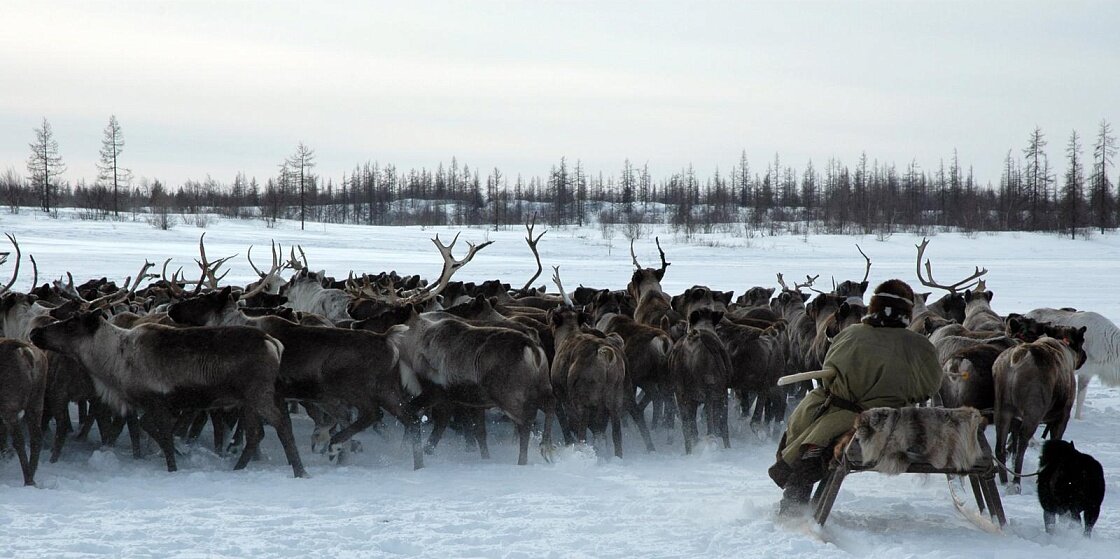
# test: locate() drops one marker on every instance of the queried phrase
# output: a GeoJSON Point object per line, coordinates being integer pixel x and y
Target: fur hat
{"type": "Point", "coordinates": [891, 305]}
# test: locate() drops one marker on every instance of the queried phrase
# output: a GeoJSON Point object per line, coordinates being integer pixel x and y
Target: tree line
{"type": "Point", "coordinates": [1074, 197]}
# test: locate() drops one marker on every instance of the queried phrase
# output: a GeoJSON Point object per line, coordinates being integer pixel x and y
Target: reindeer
{"type": "Point", "coordinates": [161, 369]}
{"type": "Point", "coordinates": [588, 376]}
{"type": "Point", "coordinates": [755, 297]}
{"type": "Point", "coordinates": [700, 297]}
{"type": "Point", "coordinates": [652, 306]}
{"type": "Point", "coordinates": [23, 383]}
{"type": "Point", "coordinates": [1034, 384]}
{"type": "Point", "coordinates": [701, 369]}
{"type": "Point", "coordinates": [978, 313]}
{"type": "Point", "coordinates": [757, 361]}
{"type": "Point", "coordinates": [1102, 347]}
{"type": "Point", "coordinates": [854, 289]}
{"type": "Point", "coordinates": [444, 358]}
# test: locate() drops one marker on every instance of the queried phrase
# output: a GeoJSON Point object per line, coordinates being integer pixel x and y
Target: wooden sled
{"type": "Point", "coordinates": [981, 476]}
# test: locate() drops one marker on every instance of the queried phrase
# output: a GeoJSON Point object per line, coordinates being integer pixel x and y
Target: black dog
{"type": "Point", "coordinates": [1069, 482]}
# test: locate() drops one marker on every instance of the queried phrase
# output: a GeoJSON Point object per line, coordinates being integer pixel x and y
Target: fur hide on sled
{"type": "Point", "coordinates": [945, 438]}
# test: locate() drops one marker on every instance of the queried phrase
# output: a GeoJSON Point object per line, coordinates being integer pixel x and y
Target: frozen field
{"type": "Point", "coordinates": [716, 503]}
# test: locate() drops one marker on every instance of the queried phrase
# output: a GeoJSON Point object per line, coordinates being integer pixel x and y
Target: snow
{"type": "Point", "coordinates": [714, 503]}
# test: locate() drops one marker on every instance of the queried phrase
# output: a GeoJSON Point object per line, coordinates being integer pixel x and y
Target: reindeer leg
{"type": "Point", "coordinates": [366, 417]}
{"type": "Point", "coordinates": [616, 431]}
{"type": "Point", "coordinates": [250, 425]}
{"type": "Point", "coordinates": [1026, 429]}
{"type": "Point", "coordinates": [12, 424]}
{"type": "Point", "coordinates": [1003, 423]}
{"type": "Point", "coordinates": [85, 412]}
{"type": "Point", "coordinates": [133, 423]}
{"type": "Point", "coordinates": [441, 417]}
{"type": "Point", "coordinates": [721, 421]}
{"type": "Point", "coordinates": [688, 425]}
{"type": "Point", "coordinates": [61, 413]}
{"type": "Point", "coordinates": [638, 415]}
{"type": "Point", "coordinates": [159, 423]}
{"type": "Point", "coordinates": [480, 433]}
{"type": "Point", "coordinates": [523, 441]}
{"type": "Point", "coordinates": [275, 413]}
{"type": "Point", "coordinates": [1082, 390]}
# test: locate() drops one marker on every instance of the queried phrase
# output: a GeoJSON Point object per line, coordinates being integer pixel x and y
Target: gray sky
{"type": "Point", "coordinates": [217, 87]}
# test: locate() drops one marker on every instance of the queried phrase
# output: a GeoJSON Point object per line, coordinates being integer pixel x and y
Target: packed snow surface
{"type": "Point", "coordinates": [714, 503]}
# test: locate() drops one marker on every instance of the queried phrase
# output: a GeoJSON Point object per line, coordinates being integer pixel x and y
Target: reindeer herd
{"type": "Point", "coordinates": [175, 355]}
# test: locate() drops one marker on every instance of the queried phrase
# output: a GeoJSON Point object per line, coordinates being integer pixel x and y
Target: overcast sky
{"type": "Point", "coordinates": [214, 88]}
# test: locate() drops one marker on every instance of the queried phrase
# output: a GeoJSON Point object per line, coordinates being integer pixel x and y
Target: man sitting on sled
{"type": "Point", "coordinates": [877, 363]}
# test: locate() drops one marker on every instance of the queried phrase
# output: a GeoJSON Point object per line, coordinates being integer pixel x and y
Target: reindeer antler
{"type": "Point", "coordinates": [533, 247]}
{"type": "Point", "coordinates": [782, 282]}
{"type": "Point", "coordinates": [35, 272]}
{"type": "Point", "coordinates": [129, 288]}
{"type": "Point", "coordinates": [808, 283]}
{"type": "Point", "coordinates": [928, 281]}
{"type": "Point", "coordinates": [664, 264]}
{"type": "Point", "coordinates": [633, 256]}
{"type": "Point", "coordinates": [277, 265]}
{"type": "Point", "coordinates": [560, 286]}
{"type": "Point", "coordinates": [866, 271]}
{"type": "Point", "coordinates": [4, 258]}
{"type": "Point", "coordinates": [210, 269]}
{"type": "Point", "coordinates": [450, 266]}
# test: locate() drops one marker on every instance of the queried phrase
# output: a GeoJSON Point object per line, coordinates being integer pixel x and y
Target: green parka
{"type": "Point", "coordinates": [875, 367]}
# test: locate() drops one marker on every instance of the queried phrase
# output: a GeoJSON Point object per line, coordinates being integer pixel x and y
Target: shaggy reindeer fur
{"type": "Point", "coordinates": [332, 367]}
{"type": "Point", "coordinates": [701, 369]}
{"type": "Point", "coordinates": [305, 292]}
{"type": "Point", "coordinates": [757, 361]}
{"type": "Point", "coordinates": [756, 297]}
{"type": "Point", "coordinates": [700, 297]}
{"type": "Point", "coordinates": [647, 365]}
{"type": "Point", "coordinates": [847, 314]}
{"type": "Point", "coordinates": [23, 382]}
{"type": "Point", "coordinates": [1102, 347]}
{"type": "Point", "coordinates": [162, 369]}
{"type": "Point", "coordinates": [1069, 483]}
{"type": "Point", "coordinates": [480, 367]}
{"type": "Point", "coordinates": [653, 307]}
{"type": "Point", "coordinates": [968, 378]}
{"type": "Point", "coordinates": [893, 438]}
{"type": "Point", "coordinates": [978, 313]}
{"type": "Point", "coordinates": [588, 378]}
{"type": "Point", "coordinates": [1034, 385]}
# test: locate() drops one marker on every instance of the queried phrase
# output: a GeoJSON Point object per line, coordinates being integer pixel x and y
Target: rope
{"type": "Point", "coordinates": [1010, 471]}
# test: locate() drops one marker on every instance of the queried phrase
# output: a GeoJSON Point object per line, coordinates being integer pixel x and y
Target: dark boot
{"type": "Point", "coordinates": [798, 486]}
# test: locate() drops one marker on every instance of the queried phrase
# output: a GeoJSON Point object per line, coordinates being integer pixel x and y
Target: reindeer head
{"type": "Point", "coordinates": [204, 309]}
{"type": "Point", "coordinates": [704, 319]}
{"type": "Point", "coordinates": [64, 336]}
{"type": "Point", "coordinates": [756, 297]}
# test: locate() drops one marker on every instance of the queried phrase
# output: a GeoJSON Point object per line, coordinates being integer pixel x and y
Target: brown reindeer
{"type": "Point", "coordinates": [588, 378]}
{"type": "Point", "coordinates": [701, 369]}
{"type": "Point", "coordinates": [23, 383]}
{"type": "Point", "coordinates": [978, 313]}
{"type": "Point", "coordinates": [160, 370]}
{"type": "Point", "coordinates": [652, 306]}
{"type": "Point", "coordinates": [1034, 384]}
{"type": "Point", "coordinates": [757, 361]}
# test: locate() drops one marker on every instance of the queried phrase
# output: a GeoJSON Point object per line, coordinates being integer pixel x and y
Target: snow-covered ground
{"type": "Point", "coordinates": [715, 503]}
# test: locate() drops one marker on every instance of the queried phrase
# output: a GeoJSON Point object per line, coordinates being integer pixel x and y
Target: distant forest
{"type": "Point", "coordinates": [1073, 197]}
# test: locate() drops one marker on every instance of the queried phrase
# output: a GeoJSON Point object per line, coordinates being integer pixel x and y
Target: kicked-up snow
{"type": "Point", "coordinates": [717, 502]}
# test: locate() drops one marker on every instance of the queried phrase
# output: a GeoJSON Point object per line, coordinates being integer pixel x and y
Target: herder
{"type": "Point", "coordinates": [877, 363]}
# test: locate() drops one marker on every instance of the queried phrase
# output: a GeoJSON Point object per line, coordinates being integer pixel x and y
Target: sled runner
{"type": "Point", "coordinates": [981, 477]}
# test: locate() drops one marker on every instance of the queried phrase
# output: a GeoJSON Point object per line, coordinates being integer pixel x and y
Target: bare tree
{"type": "Point", "coordinates": [1100, 196]}
{"type": "Point", "coordinates": [110, 173]}
{"type": "Point", "coordinates": [45, 163]}
{"type": "Point", "coordinates": [1075, 178]}
{"type": "Point", "coordinates": [300, 164]}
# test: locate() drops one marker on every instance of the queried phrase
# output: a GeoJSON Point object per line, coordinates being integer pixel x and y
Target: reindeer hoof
{"type": "Point", "coordinates": [1014, 489]}
{"type": "Point", "coordinates": [320, 439]}
{"type": "Point", "coordinates": [547, 452]}
{"type": "Point", "coordinates": [336, 453]}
